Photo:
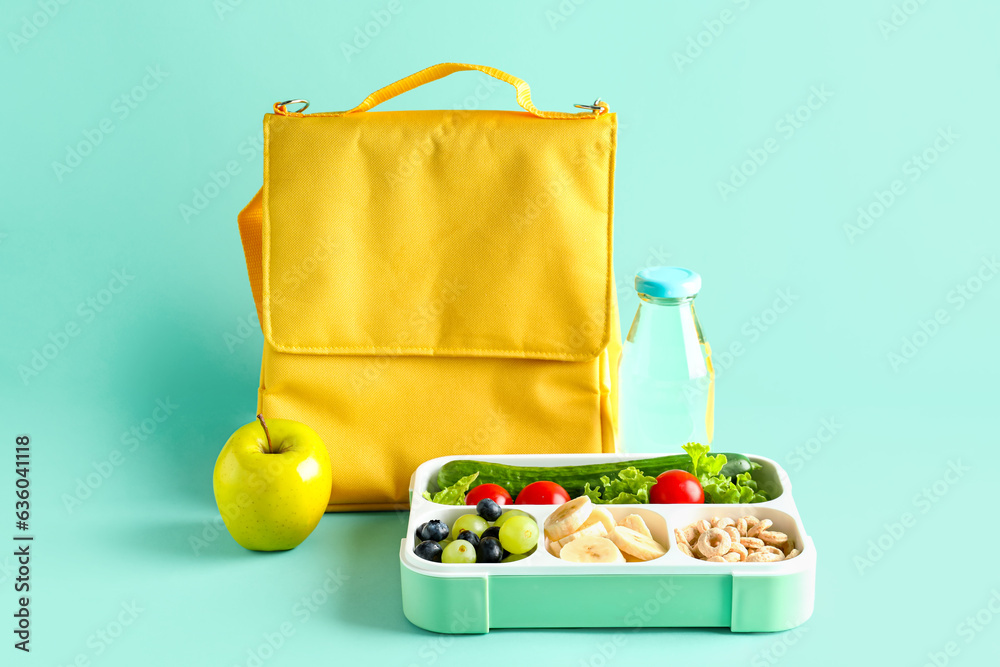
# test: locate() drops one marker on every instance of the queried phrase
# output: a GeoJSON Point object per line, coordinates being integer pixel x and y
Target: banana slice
{"type": "Point", "coordinates": [596, 523]}
{"type": "Point", "coordinates": [592, 549]}
{"type": "Point", "coordinates": [629, 558]}
{"type": "Point", "coordinates": [635, 522]}
{"type": "Point", "coordinates": [605, 517]}
{"type": "Point", "coordinates": [635, 543]}
{"type": "Point", "coordinates": [554, 548]}
{"type": "Point", "coordinates": [568, 518]}
{"type": "Point", "coordinates": [595, 529]}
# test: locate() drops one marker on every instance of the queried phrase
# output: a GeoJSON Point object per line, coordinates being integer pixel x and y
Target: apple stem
{"type": "Point", "coordinates": [267, 435]}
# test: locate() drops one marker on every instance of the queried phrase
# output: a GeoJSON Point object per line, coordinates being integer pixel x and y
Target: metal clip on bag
{"type": "Point", "coordinates": [436, 282]}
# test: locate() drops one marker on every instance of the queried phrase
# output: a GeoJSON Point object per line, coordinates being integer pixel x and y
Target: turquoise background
{"type": "Point", "coordinates": [863, 434]}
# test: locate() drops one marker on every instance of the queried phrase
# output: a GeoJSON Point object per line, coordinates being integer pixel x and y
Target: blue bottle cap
{"type": "Point", "coordinates": [668, 282]}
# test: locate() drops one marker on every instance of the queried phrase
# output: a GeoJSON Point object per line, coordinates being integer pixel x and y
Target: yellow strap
{"type": "Point", "coordinates": [442, 70]}
{"type": "Point", "coordinates": [250, 220]}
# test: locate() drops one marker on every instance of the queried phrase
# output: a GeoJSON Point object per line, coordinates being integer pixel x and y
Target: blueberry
{"type": "Point", "coordinates": [469, 537]}
{"type": "Point", "coordinates": [488, 509]}
{"type": "Point", "coordinates": [492, 531]}
{"type": "Point", "coordinates": [419, 533]}
{"type": "Point", "coordinates": [435, 530]}
{"type": "Point", "coordinates": [429, 550]}
{"type": "Point", "coordinates": [489, 550]}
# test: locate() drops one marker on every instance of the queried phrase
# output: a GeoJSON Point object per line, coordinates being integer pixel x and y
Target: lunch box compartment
{"type": "Point", "coordinates": [781, 521]}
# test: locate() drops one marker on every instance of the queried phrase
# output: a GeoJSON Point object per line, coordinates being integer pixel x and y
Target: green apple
{"type": "Point", "coordinates": [272, 484]}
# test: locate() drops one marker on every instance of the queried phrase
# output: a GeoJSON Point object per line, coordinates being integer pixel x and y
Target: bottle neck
{"type": "Point", "coordinates": [664, 301]}
{"type": "Point", "coordinates": [662, 318]}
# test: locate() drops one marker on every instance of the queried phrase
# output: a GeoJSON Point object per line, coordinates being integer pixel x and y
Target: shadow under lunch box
{"type": "Point", "coordinates": [675, 590]}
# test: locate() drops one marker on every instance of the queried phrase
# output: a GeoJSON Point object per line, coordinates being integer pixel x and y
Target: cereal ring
{"type": "Point", "coordinates": [772, 550]}
{"type": "Point", "coordinates": [738, 548]}
{"type": "Point", "coordinates": [714, 542]}
{"type": "Point", "coordinates": [758, 528]}
{"type": "Point", "coordinates": [725, 522]}
{"type": "Point", "coordinates": [741, 526]}
{"type": "Point", "coordinates": [701, 526]}
{"type": "Point", "coordinates": [763, 557]}
{"type": "Point", "coordinates": [689, 533]}
{"type": "Point", "coordinates": [792, 554]}
{"type": "Point", "coordinates": [734, 534]}
{"type": "Point", "coordinates": [774, 538]}
{"type": "Point", "coordinates": [752, 543]}
{"type": "Point", "coordinates": [715, 521]}
{"type": "Point", "coordinates": [751, 521]}
{"type": "Point", "coordinates": [685, 549]}
{"type": "Point", "coordinates": [716, 559]}
{"type": "Point", "coordinates": [679, 536]}
{"type": "Point", "coordinates": [732, 557]}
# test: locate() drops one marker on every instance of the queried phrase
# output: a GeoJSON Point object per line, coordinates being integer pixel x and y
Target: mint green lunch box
{"type": "Point", "coordinates": [674, 590]}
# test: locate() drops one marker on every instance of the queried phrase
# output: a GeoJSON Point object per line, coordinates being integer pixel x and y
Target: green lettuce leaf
{"type": "Point", "coordinates": [632, 486]}
{"type": "Point", "coordinates": [703, 465]}
{"type": "Point", "coordinates": [720, 489]}
{"type": "Point", "coordinates": [454, 494]}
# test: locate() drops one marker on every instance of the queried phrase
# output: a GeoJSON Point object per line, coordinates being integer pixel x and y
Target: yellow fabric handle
{"type": "Point", "coordinates": [250, 220]}
{"type": "Point", "coordinates": [435, 72]}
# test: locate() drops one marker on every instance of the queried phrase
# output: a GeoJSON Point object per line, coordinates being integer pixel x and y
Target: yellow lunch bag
{"type": "Point", "coordinates": [434, 283]}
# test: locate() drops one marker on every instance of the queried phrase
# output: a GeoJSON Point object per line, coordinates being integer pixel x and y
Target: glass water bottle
{"type": "Point", "coordinates": [667, 385]}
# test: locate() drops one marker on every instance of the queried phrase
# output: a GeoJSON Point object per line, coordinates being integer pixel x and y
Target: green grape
{"type": "Point", "coordinates": [459, 551]}
{"type": "Point", "coordinates": [508, 515]}
{"type": "Point", "coordinates": [519, 535]}
{"type": "Point", "coordinates": [473, 522]}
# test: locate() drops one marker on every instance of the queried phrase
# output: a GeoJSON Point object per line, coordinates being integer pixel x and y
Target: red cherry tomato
{"type": "Point", "coordinates": [494, 492]}
{"type": "Point", "coordinates": [542, 493]}
{"type": "Point", "coordinates": [677, 486]}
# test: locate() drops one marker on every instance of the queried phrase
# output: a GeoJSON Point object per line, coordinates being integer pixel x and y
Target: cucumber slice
{"type": "Point", "coordinates": [571, 478]}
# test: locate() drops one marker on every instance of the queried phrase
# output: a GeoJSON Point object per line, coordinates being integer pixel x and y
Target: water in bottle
{"type": "Point", "coordinates": [667, 385]}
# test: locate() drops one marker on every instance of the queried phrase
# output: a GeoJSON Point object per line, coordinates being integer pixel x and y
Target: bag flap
{"type": "Point", "coordinates": [461, 233]}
